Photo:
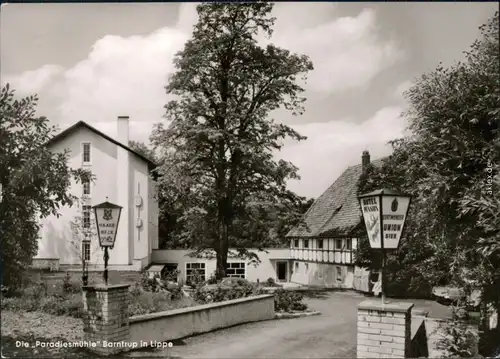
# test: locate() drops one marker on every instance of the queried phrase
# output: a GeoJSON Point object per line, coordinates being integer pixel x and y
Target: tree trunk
{"type": "Point", "coordinates": [223, 248]}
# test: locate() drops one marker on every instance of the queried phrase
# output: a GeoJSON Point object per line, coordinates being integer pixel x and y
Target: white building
{"type": "Point", "coordinates": [122, 176]}
{"type": "Point", "coordinates": [274, 263]}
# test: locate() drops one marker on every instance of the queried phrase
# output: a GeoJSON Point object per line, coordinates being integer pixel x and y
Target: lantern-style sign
{"type": "Point", "coordinates": [107, 217]}
{"type": "Point", "coordinates": [384, 212]}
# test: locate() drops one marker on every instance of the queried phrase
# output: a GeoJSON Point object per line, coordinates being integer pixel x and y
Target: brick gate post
{"type": "Point", "coordinates": [106, 318]}
{"type": "Point", "coordinates": [384, 330]}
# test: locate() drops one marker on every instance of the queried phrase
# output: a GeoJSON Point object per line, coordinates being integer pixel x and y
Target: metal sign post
{"type": "Point", "coordinates": [107, 217]}
{"type": "Point", "coordinates": [384, 213]}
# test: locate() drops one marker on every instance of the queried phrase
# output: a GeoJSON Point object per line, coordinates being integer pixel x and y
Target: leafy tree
{"type": "Point", "coordinates": [450, 165]}
{"type": "Point", "coordinates": [143, 149]}
{"type": "Point", "coordinates": [82, 232]}
{"type": "Point", "coordinates": [218, 148]}
{"type": "Point", "coordinates": [34, 180]}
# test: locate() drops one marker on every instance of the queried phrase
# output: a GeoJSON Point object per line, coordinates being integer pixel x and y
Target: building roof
{"type": "Point", "coordinates": [336, 212]}
{"type": "Point", "coordinates": [84, 124]}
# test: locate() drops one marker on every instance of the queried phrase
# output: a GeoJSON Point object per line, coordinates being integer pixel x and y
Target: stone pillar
{"type": "Point", "coordinates": [106, 319]}
{"type": "Point", "coordinates": [384, 330]}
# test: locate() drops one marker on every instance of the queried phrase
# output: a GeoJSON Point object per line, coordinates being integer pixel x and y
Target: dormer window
{"type": "Point", "coordinates": [86, 153]}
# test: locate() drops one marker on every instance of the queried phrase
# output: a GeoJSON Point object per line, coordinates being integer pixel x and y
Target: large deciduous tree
{"type": "Point", "coordinates": [34, 182]}
{"type": "Point", "coordinates": [218, 148]}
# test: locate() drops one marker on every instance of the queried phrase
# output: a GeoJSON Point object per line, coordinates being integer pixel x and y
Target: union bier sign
{"type": "Point", "coordinates": [384, 213]}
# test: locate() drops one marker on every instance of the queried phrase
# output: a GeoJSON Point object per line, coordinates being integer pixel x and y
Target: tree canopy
{"type": "Point", "coordinates": [451, 167]}
{"type": "Point", "coordinates": [219, 146]}
{"type": "Point", "coordinates": [34, 181]}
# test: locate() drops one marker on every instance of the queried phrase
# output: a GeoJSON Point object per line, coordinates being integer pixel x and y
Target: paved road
{"type": "Point", "coordinates": [330, 335]}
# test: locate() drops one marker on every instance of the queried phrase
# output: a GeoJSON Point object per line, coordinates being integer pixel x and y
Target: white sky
{"type": "Point", "coordinates": [96, 67]}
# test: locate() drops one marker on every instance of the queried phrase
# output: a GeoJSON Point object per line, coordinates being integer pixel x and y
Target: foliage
{"type": "Point", "coordinates": [288, 301]}
{"type": "Point", "coordinates": [143, 149]}
{"type": "Point", "coordinates": [217, 152]}
{"type": "Point", "coordinates": [69, 286]}
{"type": "Point", "coordinates": [220, 294]}
{"type": "Point", "coordinates": [35, 181]}
{"type": "Point", "coordinates": [458, 339]}
{"type": "Point", "coordinates": [67, 300]}
{"type": "Point", "coordinates": [81, 233]}
{"type": "Point", "coordinates": [451, 167]}
{"type": "Point", "coordinates": [150, 302]}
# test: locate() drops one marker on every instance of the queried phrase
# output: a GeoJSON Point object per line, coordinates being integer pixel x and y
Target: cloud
{"type": "Point", "coordinates": [347, 52]}
{"type": "Point", "coordinates": [401, 89]}
{"type": "Point", "coordinates": [34, 81]}
{"type": "Point", "coordinates": [333, 146]}
{"type": "Point", "coordinates": [127, 75]}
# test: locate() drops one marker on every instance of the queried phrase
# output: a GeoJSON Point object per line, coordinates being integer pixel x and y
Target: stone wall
{"type": "Point", "coordinates": [180, 323]}
{"type": "Point", "coordinates": [51, 264]}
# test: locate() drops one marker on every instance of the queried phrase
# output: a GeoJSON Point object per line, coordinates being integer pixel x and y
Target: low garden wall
{"type": "Point", "coordinates": [51, 264]}
{"type": "Point", "coordinates": [179, 323]}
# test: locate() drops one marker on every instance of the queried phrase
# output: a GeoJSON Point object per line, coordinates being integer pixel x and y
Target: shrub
{"type": "Point", "coordinates": [288, 301]}
{"type": "Point", "coordinates": [69, 286]}
{"type": "Point", "coordinates": [271, 282]}
{"type": "Point", "coordinates": [153, 302]}
{"type": "Point", "coordinates": [220, 294]}
{"type": "Point", "coordinates": [136, 290]}
{"type": "Point", "coordinates": [36, 290]}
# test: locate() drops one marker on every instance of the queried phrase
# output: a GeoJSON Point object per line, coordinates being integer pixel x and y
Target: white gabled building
{"type": "Point", "coordinates": [123, 177]}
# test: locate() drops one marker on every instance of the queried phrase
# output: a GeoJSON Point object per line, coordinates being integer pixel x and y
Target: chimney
{"type": "Point", "coordinates": [123, 247]}
{"type": "Point", "coordinates": [123, 136]}
{"type": "Point", "coordinates": [365, 159]}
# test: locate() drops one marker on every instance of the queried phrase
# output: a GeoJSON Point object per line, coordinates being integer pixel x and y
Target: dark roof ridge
{"type": "Point", "coordinates": [73, 127]}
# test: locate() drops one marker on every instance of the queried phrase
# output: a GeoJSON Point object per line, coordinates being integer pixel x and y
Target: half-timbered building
{"type": "Point", "coordinates": [322, 249]}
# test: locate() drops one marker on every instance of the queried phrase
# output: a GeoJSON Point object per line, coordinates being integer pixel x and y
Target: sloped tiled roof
{"type": "Point", "coordinates": [336, 212]}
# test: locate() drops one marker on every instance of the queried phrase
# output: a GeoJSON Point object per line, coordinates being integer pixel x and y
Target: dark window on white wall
{"type": "Point", "coordinates": [296, 243]}
{"type": "Point", "coordinates": [320, 244]}
{"type": "Point", "coordinates": [86, 216]}
{"type": "Point", "coordinates": [195, 272]}
{"type": "Point", "coordinates": [86, 187]}
{"type": "Point", "coordinates": [348, 244]}
{"type": "Point", "coordinates": [339, 274]}
{"type": "Point", "coordinates": [236, 269]}
{"type": "Point", "coordinates": [338, 244]}
{"type": "Point", "coordinates": [86, 158]}
{"type": "Point", "coordinates": [306, 243]}
{"type": "Point", "coordinates": [86, 250]}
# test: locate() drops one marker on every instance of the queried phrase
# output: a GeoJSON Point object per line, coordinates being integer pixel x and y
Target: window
{"type": "Point", "coordinates": [338, 244]}
{"type": "Point", "coordinates": [86, 250]}
{"type": "Point", "coordinates": [339, 274]}
{"type": "Point", "coordinates": [348, 244]}
{"type": "Point", "coordinates": [296, 266]}
{"type": "Point", "coordinates": [306, 243]}
{"type": "Point", "coordinates": [236, 269]}
{"type": "Point", "coordinates": [320, 244]}
{"type": "Point", "coordinates": [86, 187]}
{"type": "Point", "coordinates": [86, 159]}
{"type": "Point", "coordinates": [195, 273]}
{"type": "Point", "coordinates": [296, 243]}
{"type": "Point", "coordinates": [86, 216]}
